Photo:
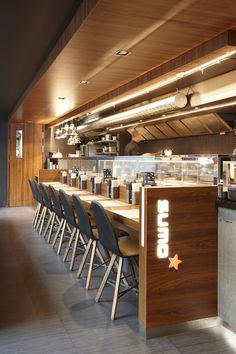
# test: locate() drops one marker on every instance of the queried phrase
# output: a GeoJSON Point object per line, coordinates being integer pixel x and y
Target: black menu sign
{"type": "Point", "coordinates": [148, 179]}
{"type": "Point", "coordinates": [107, 173]}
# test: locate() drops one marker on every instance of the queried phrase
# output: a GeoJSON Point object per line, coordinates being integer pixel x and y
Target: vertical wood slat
{"type": "Point", "coordinates": [20, 169]}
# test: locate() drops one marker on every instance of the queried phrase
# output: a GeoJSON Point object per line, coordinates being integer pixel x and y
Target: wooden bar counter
{"type": "Point", "coordinates": [178, 258]}
{"type": "Point", "coordinates": [178, 253]}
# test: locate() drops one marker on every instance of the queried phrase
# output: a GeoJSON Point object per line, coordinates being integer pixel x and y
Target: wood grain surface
{"type": "Point", "coordinates": [20, 169]}
{"type": "Point", "coordinates": [190, 293]}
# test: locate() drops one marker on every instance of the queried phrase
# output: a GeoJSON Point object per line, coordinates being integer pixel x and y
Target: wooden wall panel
{"type": "Point", "coordinates": [3, 161]}
{"type": "Point", "coordinates": [206, 144]}
{"type": "Point", "coordinates": [20, 169]}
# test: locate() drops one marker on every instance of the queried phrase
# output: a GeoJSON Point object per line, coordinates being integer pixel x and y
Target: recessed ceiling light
{"type": "Point", "coordinates": [84, 82]}
{"type": "Point", "coordinates": [61, 98]}
{"type": "Point", "coordinates": [122, 52]}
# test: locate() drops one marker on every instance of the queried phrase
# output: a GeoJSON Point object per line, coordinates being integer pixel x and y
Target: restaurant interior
{"type": "Point", "coordinates": [118, 176]}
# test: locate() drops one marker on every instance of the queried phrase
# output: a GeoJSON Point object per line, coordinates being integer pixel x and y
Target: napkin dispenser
{"type": "Point", "coordinates": [63, 177]}
{"type": "Point", "coordinates": [72, 179]}
{"type": "Point", "coordinates": [115, 188]}
{"type": "Point", "coordinates": [135, 193]}
{"type": "Point", "coordinates": [128, 193]}
{"type": "Point", "coordinates": [82, 181]}
{"type": "Point", "coordinates": [92, 184]}
{"type": "Point", "coordinates": [97, 185]}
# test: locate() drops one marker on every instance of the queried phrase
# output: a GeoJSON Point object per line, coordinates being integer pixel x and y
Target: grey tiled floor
{"type": "Point", "coordinates": [45, 309]}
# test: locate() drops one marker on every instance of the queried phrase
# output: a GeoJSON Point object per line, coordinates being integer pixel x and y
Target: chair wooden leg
{"type": "Point", "coordinates": [84, 243]}
{"type": "Point", "coordinates": [36, 214]}
{"type": "Point", "coordinates": [81, 267]}
{"type": "Point", "coordinates": [61, 238]}
{"type": "Point", "coordinates": [117, 286]}
{"type": "Point", "coordinates": [58, 232]}
{"type": "Point", "coordinates": [51, 228]}
{"type": "Point", "coordinates": [100, 256]}
{"type": "Point", "coordinates": [124, 280]}
{"type": "Point", "coordinates": [48, 224]}
{"type": "Point", "coordinates": [105, 278]}
{"type": "Point", "coordinates": [42, 222]}
{"type": "Point", "coordinates": [69, 245]}
{"type": "Point", "coordinates": [91, 264]}
{"type": "Point", "coordinates": [68, 228]}
{"type": "Point", "coordinates": [40, 218]}
{"type": "Point", "coordinates": [72, 261]}
{"type": "Point", "coordinates": [135, 282]}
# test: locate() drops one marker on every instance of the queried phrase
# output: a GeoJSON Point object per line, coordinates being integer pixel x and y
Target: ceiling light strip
{"type": "Point", "coordinates": [168, 81]}
{"type": "Point", "coordinates": [172, 102]}
{"type": "Point", "coordinates": [175, 115]}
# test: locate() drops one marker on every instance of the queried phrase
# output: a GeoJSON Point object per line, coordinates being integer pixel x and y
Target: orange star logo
{"type": "Point", "coordinates": [174, 262]}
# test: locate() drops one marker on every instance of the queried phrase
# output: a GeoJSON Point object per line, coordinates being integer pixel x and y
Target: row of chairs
{"type": "Point", "coordinates": [59, 219]}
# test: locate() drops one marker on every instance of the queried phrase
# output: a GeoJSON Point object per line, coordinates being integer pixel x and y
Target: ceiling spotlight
{"type": "Point", "coordinates": [122, 53]}
{"type": "Point", "coordinates": [84, 82]}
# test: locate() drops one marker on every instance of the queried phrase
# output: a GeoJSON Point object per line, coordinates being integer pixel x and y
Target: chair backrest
{"type": "Point", "coordinates": [38, 193]}
{"type": "Point", "coordinates": [46, 198]}
{"type": "Point", "coordinates": [82, 216]}
{"type": "Point", "coordinates": [31, 184]}
{"type": "Point", "coordinates": [106, 232]}
{"type": "Point", "coordinates": [56, 202]}
{"type": "Point", "coordinates": [68, 209]}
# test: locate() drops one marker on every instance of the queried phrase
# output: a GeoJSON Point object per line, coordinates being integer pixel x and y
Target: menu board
{"type": "Point", "coordinates": [107, 173]}
{"type": "Point", "coordinates": [148, 179]}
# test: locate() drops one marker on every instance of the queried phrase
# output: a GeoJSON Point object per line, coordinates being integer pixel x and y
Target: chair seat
{"type": "Point", "coordinates": [118, 232]}
{"type": "Point", "coordinates": [92, 221]}
{"type": "Point", "coordinates": [95, 233]}
{"type": "Point", "coordinates": [129, 247]}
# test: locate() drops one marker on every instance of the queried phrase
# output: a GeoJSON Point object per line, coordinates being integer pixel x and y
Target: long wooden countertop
{"type": "Point", "coordinates": [118, 211]}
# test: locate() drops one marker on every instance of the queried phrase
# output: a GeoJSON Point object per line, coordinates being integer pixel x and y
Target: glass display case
{"type": "Point", "coordinates": [227, 177]}
{"type": "Point", "coordinates": [176, 169]}
{"type": "Point", "coordinates": [84, 164]}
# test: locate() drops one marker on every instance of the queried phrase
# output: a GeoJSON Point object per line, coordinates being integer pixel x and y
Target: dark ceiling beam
{"type": "Point", "coordinates": [79, 17]}
{"type": "Point", "coordinates": [224, 40]}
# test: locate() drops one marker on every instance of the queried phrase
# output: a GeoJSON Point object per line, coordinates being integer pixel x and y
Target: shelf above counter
{"type": "Point", "coordinates": [108, 153]}
{"type": "Point", "coordinates": [106, 141]}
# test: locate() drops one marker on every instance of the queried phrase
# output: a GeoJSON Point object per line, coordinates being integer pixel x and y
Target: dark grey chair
{"type": "Point", "coordinates": [58, 214]}
{"type": "Point", "coordinates": [120, 250]}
